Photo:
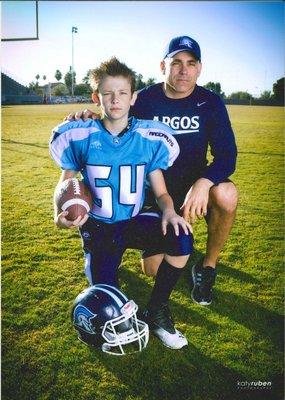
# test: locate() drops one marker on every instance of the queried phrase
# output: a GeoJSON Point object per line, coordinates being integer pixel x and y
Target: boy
{"type": "Point", "coordinates": [118, 157]}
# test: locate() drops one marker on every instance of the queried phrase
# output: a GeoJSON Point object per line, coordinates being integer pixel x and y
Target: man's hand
{"type": "Point", "coordinates": [84, 115]}
{"type": "Point", "coordinates": [196, 200]}
{"type": "Point", "coordinates": [170, 217]}
{"type": "Point", "coordinates": [63, 223]}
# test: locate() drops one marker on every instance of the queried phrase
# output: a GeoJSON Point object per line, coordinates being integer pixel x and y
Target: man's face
{"type": "Point", "coordinates": [115, 97]}
{"type": "Point", "coordinates": [181, 73]}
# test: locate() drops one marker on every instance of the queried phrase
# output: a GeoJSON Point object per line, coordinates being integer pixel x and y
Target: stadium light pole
{"type": "Point", "coordinates": [73, 30]}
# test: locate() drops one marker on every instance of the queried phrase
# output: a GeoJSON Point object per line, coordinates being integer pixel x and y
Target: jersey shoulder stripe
{"type": "Point", "coordinates": [158, 132]}
{"type": "Point", "coordinates": [77, 130]}
{"type": "Point", "coordinates": [66, 133]}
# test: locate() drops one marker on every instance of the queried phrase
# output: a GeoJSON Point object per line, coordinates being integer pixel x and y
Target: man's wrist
{"type": "Point", "coordinates": [206, 182]}
{"type": "Point", "coordinates": [168, 210]}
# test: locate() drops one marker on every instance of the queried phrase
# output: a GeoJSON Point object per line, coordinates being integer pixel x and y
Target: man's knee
{"type": "Point", "coordinates": [225, 197]}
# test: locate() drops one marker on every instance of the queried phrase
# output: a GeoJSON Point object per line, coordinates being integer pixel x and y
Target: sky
{"type": "Point", "coordinates": [242, 42]}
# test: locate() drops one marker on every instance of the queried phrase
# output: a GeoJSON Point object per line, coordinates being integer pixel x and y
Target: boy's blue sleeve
{"type": "Point", "coordinates": [67, 146]}
{"type": "Point", "coordinates": [165, 148]}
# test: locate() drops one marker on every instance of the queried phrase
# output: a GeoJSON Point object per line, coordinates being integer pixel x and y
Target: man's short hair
{"type": "Point", "coordinates": [112, 67]}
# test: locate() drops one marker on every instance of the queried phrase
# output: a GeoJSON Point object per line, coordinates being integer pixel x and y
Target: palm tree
{"type": "Point", "coordinates": [58, 75]}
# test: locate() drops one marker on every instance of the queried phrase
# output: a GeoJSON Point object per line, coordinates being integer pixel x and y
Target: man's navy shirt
{"type": "Point", "coordinates": [198, 120]}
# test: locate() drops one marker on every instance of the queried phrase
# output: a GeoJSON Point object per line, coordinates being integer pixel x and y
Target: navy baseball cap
{"type": "Point", "coordinates": [183, 43]}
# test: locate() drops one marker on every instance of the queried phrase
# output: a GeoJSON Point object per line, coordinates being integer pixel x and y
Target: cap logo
{"type": "Point", "coordinates": [185, 42]}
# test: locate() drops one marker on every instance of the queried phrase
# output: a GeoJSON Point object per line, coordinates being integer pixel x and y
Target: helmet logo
{"type": "Point", "coordinates": [82, 318]}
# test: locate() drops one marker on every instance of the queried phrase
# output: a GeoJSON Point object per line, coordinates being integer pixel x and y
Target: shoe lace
{"type": "Point", "coordinates": [207, 283]}
{"type": "Point", "coordinates": [163, 316]}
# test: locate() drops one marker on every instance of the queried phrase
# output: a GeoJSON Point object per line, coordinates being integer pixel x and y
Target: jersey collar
{"type": "Point", "coordinates": [121, 134]}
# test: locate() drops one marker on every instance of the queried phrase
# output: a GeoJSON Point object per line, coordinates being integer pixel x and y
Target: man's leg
{"type": "Point", "coordinates": [223, 204]}
{"type": "Point", "coordinates": [222, 209]}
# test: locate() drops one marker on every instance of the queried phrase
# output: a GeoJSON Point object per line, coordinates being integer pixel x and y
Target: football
{"type": "Point", "coordinates": [73, 195]}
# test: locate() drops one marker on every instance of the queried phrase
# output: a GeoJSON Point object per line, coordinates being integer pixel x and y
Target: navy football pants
{"type": "Point", "coordinates": [104, 244]}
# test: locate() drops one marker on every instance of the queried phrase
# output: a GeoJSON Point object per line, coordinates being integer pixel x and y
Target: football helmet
{"type": "Point", "coordinates": [104, 317]}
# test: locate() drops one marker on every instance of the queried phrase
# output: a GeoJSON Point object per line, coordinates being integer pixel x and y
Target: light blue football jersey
{"type": "Point", "coordinates": [115, 168]}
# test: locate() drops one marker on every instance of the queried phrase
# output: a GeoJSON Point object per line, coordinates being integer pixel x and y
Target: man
{"type": "Point", "coordinates": [199, 119]}
{"type": "Point", "coordinates": [116, 156]}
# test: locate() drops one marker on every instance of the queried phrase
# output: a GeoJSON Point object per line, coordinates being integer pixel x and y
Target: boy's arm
{"type": "Point", "coordinates": [165, 204]}
{"type": "Point", "coordinates": [60, 216]}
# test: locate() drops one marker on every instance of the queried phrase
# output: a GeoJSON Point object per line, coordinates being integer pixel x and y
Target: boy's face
{"type": "Point", "coordinates": [115, 97]}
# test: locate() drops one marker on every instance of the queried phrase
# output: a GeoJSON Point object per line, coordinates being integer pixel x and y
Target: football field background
{"type": "Point", "coordinates": [235, 342]}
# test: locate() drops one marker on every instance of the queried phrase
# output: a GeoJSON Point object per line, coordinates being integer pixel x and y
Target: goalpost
{"type": "Point", "coordinates": [10, 13]}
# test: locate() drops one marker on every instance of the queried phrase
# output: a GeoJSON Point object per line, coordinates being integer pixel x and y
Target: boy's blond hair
{"type": "Point", "coordinates": [112, 67]}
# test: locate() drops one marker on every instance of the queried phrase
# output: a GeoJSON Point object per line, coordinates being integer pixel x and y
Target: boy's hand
{"type": "Point", "coordinates": [170, 217]}
{"type": "Point", "coordinates": [63, 223]}
{"type": "Point", "coordinates": [84, 115]}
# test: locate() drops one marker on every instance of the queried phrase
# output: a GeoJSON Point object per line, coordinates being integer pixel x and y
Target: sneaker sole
{"type": "Point", "coordinates": [202, 303]}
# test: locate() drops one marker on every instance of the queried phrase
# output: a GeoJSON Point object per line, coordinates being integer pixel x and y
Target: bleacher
{"type": "Point", "coordinates": [12, 92]}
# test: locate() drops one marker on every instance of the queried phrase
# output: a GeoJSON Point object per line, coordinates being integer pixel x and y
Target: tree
{"type": "Point", "coordinates": [278, 90]}
{"type": "Point", "coordinates": [86, 78]}
{"type": "Point", "coordinates": [34, 88]}
{"type": "Point", "coordinates": [240, 96]}
{"type": "Point", "coordinates": [266, 95]}
{"type": "Point", "coordinates": [214, 87]}
{"type": "Point", "coordinates": [82, 89]}
{"type": "Point", "coordinates": [59, 90]}
{"type": "Point", "coordinates": [150, 81]}
{"type": "Point", "coordinates": [68, 80]}
{"type": "Point", "coordinates": [139, 82]}
{"type": "Point", "coordinates": [58, 75]}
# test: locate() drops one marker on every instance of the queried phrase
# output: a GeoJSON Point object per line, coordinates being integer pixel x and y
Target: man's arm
{"type": "Point", "coordinates": [84, 115]}
{"type": "Point", "coordinates": [222, 144]}
{"type": "Point", "coordinates": [60, 216]}
{"type": "Point", "coordinates": [165, 204]}
{"type": "Point", "coordinates": [224, 151]}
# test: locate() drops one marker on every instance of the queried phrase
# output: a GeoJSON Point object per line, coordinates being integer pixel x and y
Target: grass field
{"type": "Point", "coordinates": [237, 339]}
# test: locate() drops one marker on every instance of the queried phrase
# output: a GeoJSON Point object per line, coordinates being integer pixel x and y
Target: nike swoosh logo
{"type": "Point", "coordinates": [200, 104]}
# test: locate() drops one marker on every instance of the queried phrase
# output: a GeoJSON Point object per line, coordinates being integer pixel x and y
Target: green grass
{"type": "Point", "coordinates": [238, 338]}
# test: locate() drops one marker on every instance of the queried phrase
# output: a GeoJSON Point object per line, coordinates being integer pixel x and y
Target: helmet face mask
{"type": "Point", "coordinates": [125, 334]}
{"type": "Point", "coordinates": [105, 318]}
